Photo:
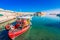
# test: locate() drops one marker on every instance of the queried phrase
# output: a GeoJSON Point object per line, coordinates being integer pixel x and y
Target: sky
{"type": "Point", "coordinates": [29, 5]}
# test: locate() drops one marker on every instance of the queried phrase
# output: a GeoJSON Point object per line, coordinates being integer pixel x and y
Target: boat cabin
{"type": "Point", "coordinates": [23, 21]}
{"type": "Point", "coordinates": [23, 18]}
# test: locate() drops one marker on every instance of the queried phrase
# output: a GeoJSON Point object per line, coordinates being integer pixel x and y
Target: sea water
{"type": "Point", "coordinates": [43, 28]}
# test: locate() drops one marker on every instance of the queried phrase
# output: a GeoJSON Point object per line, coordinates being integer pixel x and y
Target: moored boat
{"type": "Point", "coordinates": [22, 25]}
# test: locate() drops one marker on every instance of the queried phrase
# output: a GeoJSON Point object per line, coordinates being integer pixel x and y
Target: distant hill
{"type": "Point", "coordinates": [58, 15]}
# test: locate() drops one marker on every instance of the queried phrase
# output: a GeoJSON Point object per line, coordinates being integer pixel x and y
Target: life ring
{"type": "Point", "coordinates": [7, 27]}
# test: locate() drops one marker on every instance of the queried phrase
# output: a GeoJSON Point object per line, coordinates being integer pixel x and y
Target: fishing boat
{"type": "Point", "coordinates": [13, 34]}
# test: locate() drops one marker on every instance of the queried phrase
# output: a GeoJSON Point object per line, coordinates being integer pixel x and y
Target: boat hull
{"type": "Point", "coordinates": [18, 33]}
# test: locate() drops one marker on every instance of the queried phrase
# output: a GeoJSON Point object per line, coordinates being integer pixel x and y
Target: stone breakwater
{"type": "Point", "coordinates": [4, 18]}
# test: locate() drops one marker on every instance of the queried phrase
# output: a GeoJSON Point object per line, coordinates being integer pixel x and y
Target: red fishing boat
{"type": "Point", "coordinates": [13, 34]}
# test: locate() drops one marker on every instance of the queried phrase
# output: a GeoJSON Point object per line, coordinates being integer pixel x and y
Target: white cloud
{"type": "Point", "coordinates": [9, 11]}
{"type": "Point", "coordinates": [53, 11]}
{"type": "Point", "coordinates": [1, 9]}
{"type": "Point", "coordinates": [5, 10]}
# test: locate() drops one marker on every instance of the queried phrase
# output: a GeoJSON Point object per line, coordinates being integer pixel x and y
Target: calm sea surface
{"type": "Point", "coordinates": [43, 28]}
